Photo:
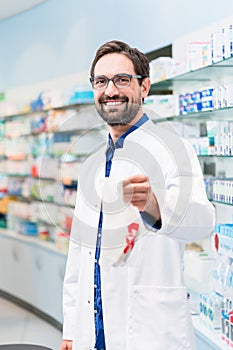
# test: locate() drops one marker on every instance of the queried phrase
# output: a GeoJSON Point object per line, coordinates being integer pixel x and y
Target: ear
{"type": "Point", "coordinates": [145, 87]}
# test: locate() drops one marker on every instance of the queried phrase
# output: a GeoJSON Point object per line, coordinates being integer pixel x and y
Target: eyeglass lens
{"type": "Point", "coordinates": [119, 81]}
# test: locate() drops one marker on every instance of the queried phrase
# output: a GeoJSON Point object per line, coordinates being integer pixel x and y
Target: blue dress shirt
{"type": "Point", "coordinates": [99, 324]}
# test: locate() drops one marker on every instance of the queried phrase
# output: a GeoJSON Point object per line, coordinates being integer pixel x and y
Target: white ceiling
{"type": "Point", "coordinates": [10, 8]}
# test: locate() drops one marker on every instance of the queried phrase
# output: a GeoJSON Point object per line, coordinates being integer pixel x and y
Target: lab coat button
{"type": "Point", "coordinates": [95, 311]}
{"type": "Point", "coordinates": [88, 301]}
{"type": "Point", "coordinates": [95, 286]}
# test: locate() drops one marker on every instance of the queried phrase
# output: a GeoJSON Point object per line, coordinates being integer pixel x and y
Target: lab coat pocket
{"type": "Point", "coordinates": [158, 318]}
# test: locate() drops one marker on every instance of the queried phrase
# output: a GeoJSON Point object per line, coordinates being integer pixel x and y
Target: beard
{"type": "Point", "coordinates": [121, 114]}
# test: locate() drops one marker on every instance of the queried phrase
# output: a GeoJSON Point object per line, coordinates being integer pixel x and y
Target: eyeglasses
{"type": "Point", "coordinates": [120, 81]}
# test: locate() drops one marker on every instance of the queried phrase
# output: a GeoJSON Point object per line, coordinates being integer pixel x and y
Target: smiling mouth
{"type": "Point", "coordinates": [113, 103]}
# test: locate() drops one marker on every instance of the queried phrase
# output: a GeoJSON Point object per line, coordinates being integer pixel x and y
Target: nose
{"type": "Point", "coordinates": [111, 89]}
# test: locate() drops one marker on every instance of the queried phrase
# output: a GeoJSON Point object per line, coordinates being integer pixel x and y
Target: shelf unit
{"type": "Point", "coordinates": [52, 152]}
{"type": "Point", "coordinates": [217, 72]}
{"type": "Point", "coordinates": [38, 187]}
{"type": "Point", "coordinates": [220, 164]}
{"type": "Point", "coordinates": [224, 114]}
{"type": "Point", "coordinates": [31, 272]}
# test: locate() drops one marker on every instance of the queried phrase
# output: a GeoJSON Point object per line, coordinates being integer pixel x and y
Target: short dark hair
{"type": "Point", "coordinates": [139, 59]}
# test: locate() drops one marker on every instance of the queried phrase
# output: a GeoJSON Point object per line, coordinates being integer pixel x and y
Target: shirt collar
{"type": "Point", "coordinates": [120, 142]}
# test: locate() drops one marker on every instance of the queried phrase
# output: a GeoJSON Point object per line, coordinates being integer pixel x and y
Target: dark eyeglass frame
{"type": "Point", "coordinates": [130, 76]}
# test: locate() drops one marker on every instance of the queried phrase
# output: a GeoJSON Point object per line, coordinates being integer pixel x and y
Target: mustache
{"type": "Point", "coordinates": [106, 98]}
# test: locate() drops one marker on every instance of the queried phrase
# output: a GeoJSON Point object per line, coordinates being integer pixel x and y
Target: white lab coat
{"type": "Point", "coordinates": [144, 300]}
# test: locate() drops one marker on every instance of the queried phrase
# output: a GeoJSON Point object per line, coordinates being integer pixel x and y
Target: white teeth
{"type": "Point", "coordinates": [115, 103]}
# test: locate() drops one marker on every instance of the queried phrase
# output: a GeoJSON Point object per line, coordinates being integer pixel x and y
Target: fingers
{"type": "Point", "coordinates": [137, 184]}
{"type": "Point", "coordinates": [136, 190]}
{"type": "Point", "coordinates": [137, 187]}
{"type": "Point", "coordinates": [66, 345]}
{"type": "Point", "coordinates": [139, 178]}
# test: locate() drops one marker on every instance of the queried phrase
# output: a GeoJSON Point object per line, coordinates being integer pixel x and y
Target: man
{"type": "Point", "coordinates": [140, 198]}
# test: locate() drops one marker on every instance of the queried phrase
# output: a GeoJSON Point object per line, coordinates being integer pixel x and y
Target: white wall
{"type": "Point", "coordinates": [60, 37]}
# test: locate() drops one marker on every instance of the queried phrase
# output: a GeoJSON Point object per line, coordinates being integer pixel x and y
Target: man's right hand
{"type": "Point", "coordinates": [66, 345]}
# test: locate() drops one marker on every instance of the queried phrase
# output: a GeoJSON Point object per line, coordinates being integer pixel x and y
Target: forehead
{"type": "Point", "coordinates": [114, 63]}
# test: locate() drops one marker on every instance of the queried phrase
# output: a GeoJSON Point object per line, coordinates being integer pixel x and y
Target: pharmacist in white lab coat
{"type": "Point", "coordinates": [140, 198]}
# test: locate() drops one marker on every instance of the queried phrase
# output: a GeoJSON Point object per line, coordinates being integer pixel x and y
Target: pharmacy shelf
{"type": "Point", "coordinates": [45, 110]}
{"type": "Point", "coordinates": [57, 131]}
{"type": "Point", "coordinates": [78, 131]}
{"type": "Point", "coordinates": [216, 72]}
{"type": "Point", "coordinates": [72, 184]}
{"type": "Point", "coordinates": [207, 339]}
{"type": "Point", "coordinates": [30, 240]}
{"type": "Point", "coordinates": [214, 156]}
{"type": "Point", "coordinates": [32, 270]}
{"type": "Point", "coordinates": [222, 203]}
{"type": "Point", "coordinates": [34, 199]}
{"type": "Point", "coordinates": [213, 75]}
{"type": "Point", "coordinates": [222, 114]}
{"type": "Point", "coordinates": [80, 126]}
{"type": "Point", "coordinates": [28, 175]}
